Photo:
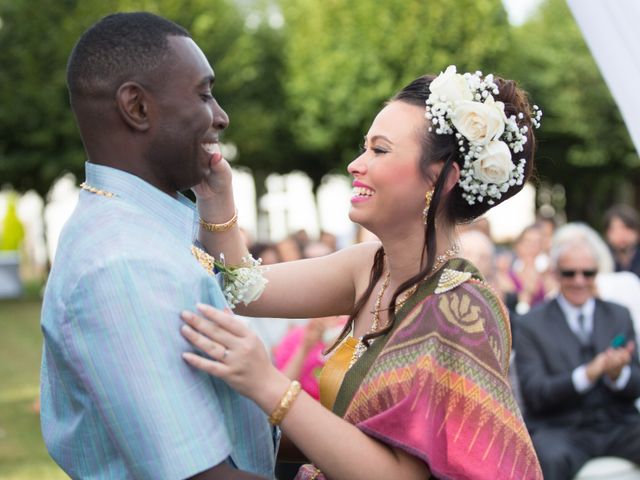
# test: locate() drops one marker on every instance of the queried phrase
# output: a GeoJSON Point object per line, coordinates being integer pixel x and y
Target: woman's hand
{"type": "Point", "coordinates": [238, 356]}
{"type": "Point", "coordinates": [217, 182]}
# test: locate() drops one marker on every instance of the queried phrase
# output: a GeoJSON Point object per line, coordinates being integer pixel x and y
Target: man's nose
{"type": "Point", "coordinates": [220, 117]}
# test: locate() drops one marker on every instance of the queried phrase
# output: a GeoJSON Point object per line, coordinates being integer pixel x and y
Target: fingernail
{"type": "Point", "coordinates": [186, 314]}
{"type": "Point", "coordinates": [203, 307]}
{"type": "Point", "coordinates": [184, 328]}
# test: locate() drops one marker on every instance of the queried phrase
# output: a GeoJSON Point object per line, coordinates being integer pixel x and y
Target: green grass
{"type": "Point", "coordinates": [22, 452]}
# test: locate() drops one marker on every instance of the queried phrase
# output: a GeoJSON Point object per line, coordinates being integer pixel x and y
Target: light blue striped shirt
{"type": "Point", "coordinates": [118, 401]}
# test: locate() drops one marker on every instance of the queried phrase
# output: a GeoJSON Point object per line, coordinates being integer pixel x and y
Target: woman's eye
{"type": "Point", "coordinates": [379, 151]}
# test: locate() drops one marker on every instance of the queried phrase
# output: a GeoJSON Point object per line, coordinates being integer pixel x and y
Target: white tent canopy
{"type": "Point", "coordinates": [611, 29]}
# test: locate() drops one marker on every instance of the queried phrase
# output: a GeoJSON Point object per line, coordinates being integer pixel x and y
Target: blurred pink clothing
{"type": "Point", "coordinates": [311, 366]}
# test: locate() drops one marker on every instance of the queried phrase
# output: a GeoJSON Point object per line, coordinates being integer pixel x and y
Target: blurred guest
{"type": "Point", "coordinates": [547, 226]}
{"type": "Point", "coordinates": [329, 239]}
{"type": "Point", "coordinates": [266, 251]}
{"type": "Point", "coordinates": [578, 368]}
{"type": "Point", "coordinates": [271, 331]}
{"type": "Point", "coordinates": [528, 282]}
{"type": "Point", "coordinates": [622, 224]}
{"type": "Point", "coordinates": [300, 355]}
{"type": "Point", "coordinates": [618, 287]}
{"type": "Point", "coordinates": [316, 249]}
{"type": "Point", "coordinates": [289, 249]}
{"type": "Point", "coordinates": [479, 250]}
{"type": "Point", "coordinates": [481, 224]}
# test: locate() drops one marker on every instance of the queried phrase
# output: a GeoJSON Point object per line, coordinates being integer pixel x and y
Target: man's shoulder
{"type": "Point", "coordinates": [538, 313]}
{"type": "Point", "coordinates": [115, 236]}
{"type": "Point", "coordinates": [613, 308]}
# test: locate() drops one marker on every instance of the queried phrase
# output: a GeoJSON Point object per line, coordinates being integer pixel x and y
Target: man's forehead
{"type": "Point", "coordinates": [189, 58]}
{"type": "Point", "coordinates": [578, 253]}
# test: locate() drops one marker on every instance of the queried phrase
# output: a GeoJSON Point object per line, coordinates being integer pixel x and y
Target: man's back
{"type": "Point", "coordinates": [118, 401]}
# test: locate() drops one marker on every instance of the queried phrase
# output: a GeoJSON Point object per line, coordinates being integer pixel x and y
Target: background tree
{"type": "Point", "coordinates": [344, 58]}
{"type": "Point", "coordinates": [584, 144]}
{"type": "Point", "coordinates": [38, 136]}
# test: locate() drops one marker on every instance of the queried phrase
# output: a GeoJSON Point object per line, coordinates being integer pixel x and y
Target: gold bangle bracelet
{"type": "Point", "coordinates": [285, 403]}
{"type": "Point", "coordinates": [220, 227]}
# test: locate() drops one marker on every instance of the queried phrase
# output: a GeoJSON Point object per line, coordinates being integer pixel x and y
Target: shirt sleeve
{"type": "Point", "coordinates": [621, 382]}
{"type": "Point", "coordinates": [123, 340]}
{"type": "Point", "coordinates": [580, 380]}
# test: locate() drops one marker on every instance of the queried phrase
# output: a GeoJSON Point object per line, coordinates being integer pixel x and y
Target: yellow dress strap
{"type": "Point", "coordinates": [334, 371]}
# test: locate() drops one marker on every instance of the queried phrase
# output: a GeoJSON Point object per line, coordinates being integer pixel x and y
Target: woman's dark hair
{"type": "Point", "coordinates": [455, 209]}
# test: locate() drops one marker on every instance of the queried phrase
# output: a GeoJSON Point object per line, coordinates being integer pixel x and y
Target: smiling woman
{"type": "Point", "coordinates": [416, 384]}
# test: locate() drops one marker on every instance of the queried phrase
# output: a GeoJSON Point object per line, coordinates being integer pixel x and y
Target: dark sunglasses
{"type": "Point", "coordinates": [573, 273]}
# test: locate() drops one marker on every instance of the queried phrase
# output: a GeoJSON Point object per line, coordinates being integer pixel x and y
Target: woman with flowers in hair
{"type": "Point", "coordinates": [416, 385]}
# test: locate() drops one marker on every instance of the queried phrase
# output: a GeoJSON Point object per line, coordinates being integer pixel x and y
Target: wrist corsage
{"type": "Point", "coordinates": [240, 283]}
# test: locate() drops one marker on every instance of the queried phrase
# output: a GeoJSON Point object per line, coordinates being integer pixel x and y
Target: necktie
{"type": "Point", "coordinates": [583, 335]}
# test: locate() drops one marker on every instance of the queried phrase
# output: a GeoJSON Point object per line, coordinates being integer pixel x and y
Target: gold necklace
{"type": "Point", "coordinates": [360, 347]}
{"type": "Point", "coordinates": [97, 191]}
{"type": "Point", "coordinates": [440, 260]}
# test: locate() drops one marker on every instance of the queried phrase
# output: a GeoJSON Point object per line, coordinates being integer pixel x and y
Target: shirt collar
{"type": "Point", "coordinates": [179, 214]}
{"type": "Point", "coordinates": [570, 310]}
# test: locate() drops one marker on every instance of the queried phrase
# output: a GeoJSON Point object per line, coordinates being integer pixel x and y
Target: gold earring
{"type": "Point", "coordinates": [427, 203]}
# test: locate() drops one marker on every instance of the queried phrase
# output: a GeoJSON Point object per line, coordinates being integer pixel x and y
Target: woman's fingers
{"type": "Point", "coordinates": [210, 329]}
{"type": "Point", "coordinates": [217, 369]}
{"type": "Point", "coordinates": [224, 319]}
{"type": "Point", "coordinates": [214, 349]}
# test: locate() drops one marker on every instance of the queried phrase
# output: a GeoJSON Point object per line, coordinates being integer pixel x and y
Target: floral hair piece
{"type": "Point", "coordinates": [464, 105]}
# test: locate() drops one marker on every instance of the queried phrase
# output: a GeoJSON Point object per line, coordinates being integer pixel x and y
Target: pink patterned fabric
{"type": "Point", "coordinates": [439, 389]}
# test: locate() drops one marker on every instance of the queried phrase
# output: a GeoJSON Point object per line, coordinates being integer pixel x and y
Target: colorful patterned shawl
{"type": "Point", "coordinates": [437, 387]}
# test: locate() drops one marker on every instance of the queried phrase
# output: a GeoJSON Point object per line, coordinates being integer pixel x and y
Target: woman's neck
{"type": "Point", "coordinates": [403, 255]}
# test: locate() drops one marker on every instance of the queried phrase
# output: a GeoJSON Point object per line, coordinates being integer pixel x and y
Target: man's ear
{"type": "Point", "coordinates": [132, 100]}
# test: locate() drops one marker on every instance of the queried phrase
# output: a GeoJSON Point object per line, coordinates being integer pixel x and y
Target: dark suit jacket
{"type": "Point", "coordinates": [547, 352]}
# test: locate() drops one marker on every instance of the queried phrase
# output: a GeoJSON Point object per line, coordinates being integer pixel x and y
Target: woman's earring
{"type": "Point", "coordinates": [427, 203]}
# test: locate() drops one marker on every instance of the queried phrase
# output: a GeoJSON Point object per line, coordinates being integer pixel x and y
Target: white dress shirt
{"type": "Point", "coordinates": [579, 377]}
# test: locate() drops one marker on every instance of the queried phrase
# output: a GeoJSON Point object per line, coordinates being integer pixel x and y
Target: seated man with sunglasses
{"type": "Point", "coordinates": [578, 368]}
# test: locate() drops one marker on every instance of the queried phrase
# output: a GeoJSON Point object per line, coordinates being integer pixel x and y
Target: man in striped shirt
{"type": "Point", "coordinates": [117, 400]}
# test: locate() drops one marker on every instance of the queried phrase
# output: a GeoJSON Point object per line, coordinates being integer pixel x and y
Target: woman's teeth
{"type": "Point", "coordinates": [363, 192]}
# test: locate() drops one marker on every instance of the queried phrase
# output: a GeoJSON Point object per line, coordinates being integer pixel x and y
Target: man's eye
{"type": "Point", "coordinates": [206, 97]}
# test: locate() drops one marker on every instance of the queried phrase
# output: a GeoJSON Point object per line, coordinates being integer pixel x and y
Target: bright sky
{"type": "Point", "coordinates": [519, 9]}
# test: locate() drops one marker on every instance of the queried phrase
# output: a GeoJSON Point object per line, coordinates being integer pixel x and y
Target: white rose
{"type": "Point", "coordinates": [253, 284]}
{"type": "Point", "coordinates": [450, 85]}
{"type": "Point", "coordinates": [494, 164]}
{"type": "Point", "coordinates": [479, 122]}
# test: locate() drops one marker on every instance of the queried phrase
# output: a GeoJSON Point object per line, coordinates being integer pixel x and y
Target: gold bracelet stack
{"type": "Point", "coordinates": [220, 227]}
{"type": "Point", "coordinates": [285, 403]}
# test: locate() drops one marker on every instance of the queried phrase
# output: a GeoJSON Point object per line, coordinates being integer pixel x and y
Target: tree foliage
{"type": "Point", "coordinates": [584, 144]}
{"type": "Point", "coordinates": [38, 136]}
{"type": "Point", "coordinates": [344, 58]}
{"type": "Point", "coordinates": [302, 96]}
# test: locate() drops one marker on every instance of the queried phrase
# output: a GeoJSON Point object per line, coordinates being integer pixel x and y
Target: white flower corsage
{"type": "Point", "coordinates": [241, 283]}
